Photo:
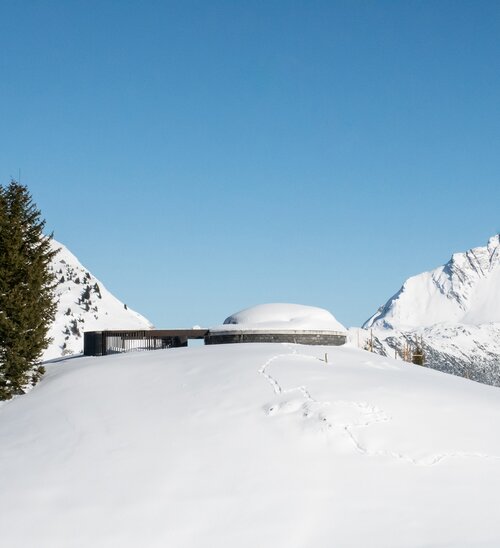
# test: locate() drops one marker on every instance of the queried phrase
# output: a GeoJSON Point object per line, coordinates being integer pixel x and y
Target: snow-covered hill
{"type": "Point", "coordinates": [250, 445]}
{"type": "Point", "coordinates": [454, 310]}
{"type": "Point", "coordinates": [84, 304]}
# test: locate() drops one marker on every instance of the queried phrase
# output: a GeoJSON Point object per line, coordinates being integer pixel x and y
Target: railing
{"type": "Point", "coordinates": [101, 343]}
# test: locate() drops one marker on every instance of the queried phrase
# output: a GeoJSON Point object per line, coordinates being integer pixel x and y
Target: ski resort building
{"type": "Point", "coordinates": [280, 322]}
{"type": "Point", "coordinates": [264, 323]}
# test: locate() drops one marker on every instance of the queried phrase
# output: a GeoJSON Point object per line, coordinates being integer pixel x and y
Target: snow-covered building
{"type": "Point", "coordinates": [266, 323]}
{"type": "Point", "coordinates": [280, 322]}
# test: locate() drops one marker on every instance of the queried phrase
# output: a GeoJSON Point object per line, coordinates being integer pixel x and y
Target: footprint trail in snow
{"type": "Point", "coordinates": [341, 416]}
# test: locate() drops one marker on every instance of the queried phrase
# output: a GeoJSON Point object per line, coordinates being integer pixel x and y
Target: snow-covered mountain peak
{"type": "Point", "coordinates": [84, 304]}
{"type": "Point", "coordinates": [465, 290]}
{"type": "Point", "coordinates": [494, 241]}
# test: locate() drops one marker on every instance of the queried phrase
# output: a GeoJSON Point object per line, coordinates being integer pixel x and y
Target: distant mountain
{"type": "Point", "coordinates": [84, 304]}
{"type": "Point", "coordinates": [465, 290]}
{"type": "Point", "coordinates": [454, 309]}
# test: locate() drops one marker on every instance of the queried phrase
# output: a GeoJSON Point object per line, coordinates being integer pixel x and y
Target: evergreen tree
{"type": "Point", "coordinates": [27, 301]}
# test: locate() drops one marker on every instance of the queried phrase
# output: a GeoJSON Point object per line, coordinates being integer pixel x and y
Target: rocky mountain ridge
{"type": "Point", "coordinates": [465, 290]}
{"type": "Point", "coordinates": [453, 310]}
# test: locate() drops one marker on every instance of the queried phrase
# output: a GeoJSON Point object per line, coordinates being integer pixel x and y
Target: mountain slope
{"type": "Point", "coordinates": [84, 304]}
{"type": "Point", "coordinates": [453, 310]}
{"type": "Point", "coordinates": [250, 445]}
{"type": "Point", "coordinates": [464, 290]}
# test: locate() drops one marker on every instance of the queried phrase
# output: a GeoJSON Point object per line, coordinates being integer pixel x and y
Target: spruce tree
{"type": "Point", "coordinates": [27, 301]}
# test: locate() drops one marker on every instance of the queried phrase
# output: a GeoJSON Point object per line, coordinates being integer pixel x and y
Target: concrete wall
{"type": "Point", "coordinates": [298, 338]}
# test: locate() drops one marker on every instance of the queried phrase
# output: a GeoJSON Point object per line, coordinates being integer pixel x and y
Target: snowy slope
{"type": "Point", "coordinates": [84, 304]}
{"type": "Point", "coordinates": [257, 445]}
{"type": "Point", "coordinates": [465, 290]}
{"type": "Point", "coordinates": [454, 310]}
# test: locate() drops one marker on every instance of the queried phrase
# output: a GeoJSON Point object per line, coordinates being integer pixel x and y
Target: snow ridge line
{"type": "Point", "coordinates": [373, 415]}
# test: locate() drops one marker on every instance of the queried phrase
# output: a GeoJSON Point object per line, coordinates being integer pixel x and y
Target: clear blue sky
{"type": "Point", "coordinates": [202, 157]}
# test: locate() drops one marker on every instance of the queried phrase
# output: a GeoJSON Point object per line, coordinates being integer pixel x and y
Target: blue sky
{"type": "Point", "coordinates": [202, 157]}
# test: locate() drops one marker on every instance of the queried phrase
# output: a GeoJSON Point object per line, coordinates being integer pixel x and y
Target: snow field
{"type": "Point", "coordinates": [250, 445]}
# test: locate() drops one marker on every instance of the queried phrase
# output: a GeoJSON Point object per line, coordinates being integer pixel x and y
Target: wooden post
{"type": "Point", "coordinates": [406, 352]}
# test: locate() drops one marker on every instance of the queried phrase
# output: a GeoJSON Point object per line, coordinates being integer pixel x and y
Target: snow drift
{"type": "Point", "coordinates": [250, 445]}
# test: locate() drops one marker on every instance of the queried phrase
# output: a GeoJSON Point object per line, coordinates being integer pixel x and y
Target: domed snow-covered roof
{"type": "Point", "coordinates": [283, 317]}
